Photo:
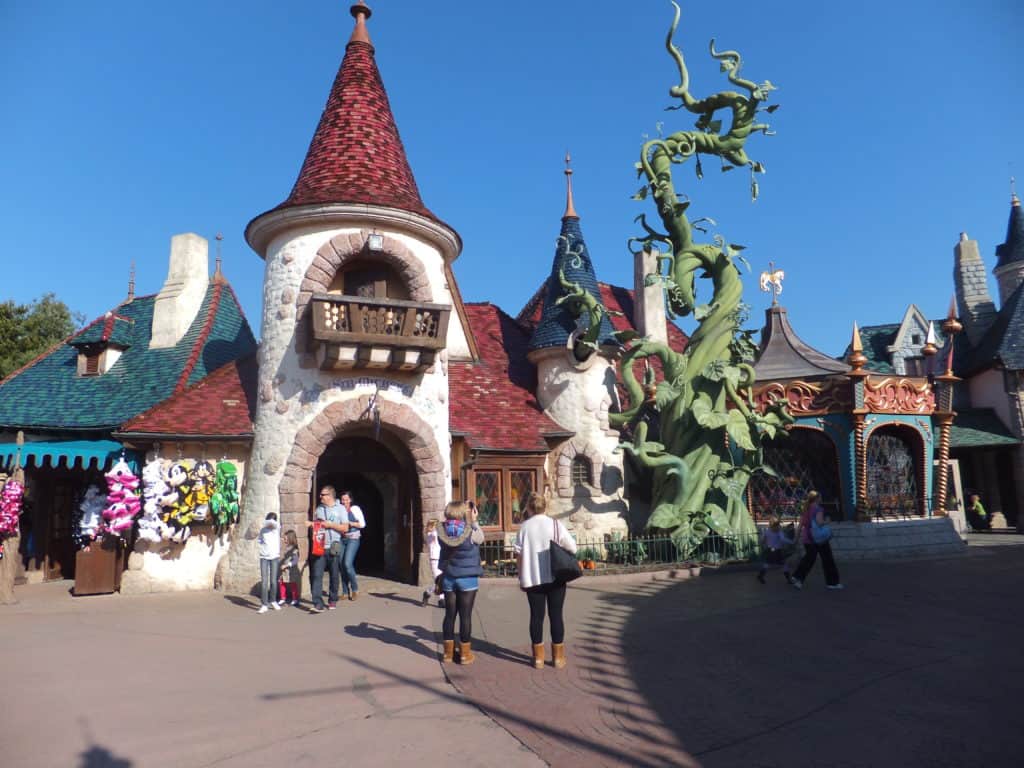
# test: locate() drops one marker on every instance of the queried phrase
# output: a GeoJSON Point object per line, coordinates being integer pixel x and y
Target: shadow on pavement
{"type": "Point", "coordinates": [99, 757]}
{"type": "Point", "coordinates": [395, 597]}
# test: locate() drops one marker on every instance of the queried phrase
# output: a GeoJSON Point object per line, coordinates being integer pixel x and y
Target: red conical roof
{"type": "Point", "coordinates": [356, 155]}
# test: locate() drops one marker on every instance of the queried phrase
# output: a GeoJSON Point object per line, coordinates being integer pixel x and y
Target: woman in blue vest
{"type": "Point", "coordinates": [460, 538]}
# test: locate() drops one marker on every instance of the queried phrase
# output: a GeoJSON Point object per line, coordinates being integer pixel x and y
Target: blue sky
{"type": "Point", "coordinates": [900, 125]}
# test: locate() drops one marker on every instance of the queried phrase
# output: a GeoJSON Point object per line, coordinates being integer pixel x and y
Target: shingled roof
{"type": "Point", "coordinates": [784, 355]}
{"type": "Point", "coordinates": [493, 401]}
{"type": "Point", "coordinates": [49, 394]}
{"type": "Point", "coordinates": [356, 155]}
{"type": "Point", "coordinates": [1003, 343]}
{"type": "Point", "coordinates": [223, 405]}
{"type": "Point", "coordinates": [1012, 251]}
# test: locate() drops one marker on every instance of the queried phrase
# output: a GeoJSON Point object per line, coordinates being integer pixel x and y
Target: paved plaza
{"type": "Point", "coordinates": [916, 663]}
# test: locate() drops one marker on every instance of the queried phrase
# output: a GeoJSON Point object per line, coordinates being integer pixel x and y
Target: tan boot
{"type": "Point", "coordinates": [558, 655]}
{"type": "Point", "coordinates": [538, 655]}
{"type": "Point", "coordinates": [466, 653]}
{"type": "Point", "coordinates": [449, 652]}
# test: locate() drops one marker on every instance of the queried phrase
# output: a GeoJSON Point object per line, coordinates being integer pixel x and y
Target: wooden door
{"type": "Point", "coordinates": [60, 546]}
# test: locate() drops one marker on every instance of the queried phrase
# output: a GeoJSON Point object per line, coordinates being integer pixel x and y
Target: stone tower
{"type": "Point", "coordinates": [971, 281]}
{"type": "Point", "coordinates": [576, 391]}
{"type": "Point", "coordinates": [360, 315]}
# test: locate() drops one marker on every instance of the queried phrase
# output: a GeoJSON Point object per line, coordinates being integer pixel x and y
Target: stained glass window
{"type": "Point", "coordinates": [522, 487]}
{"type": "Point", "coordinates": [488, 497]}
{"type": "Point", "coordinates": [892, 474]}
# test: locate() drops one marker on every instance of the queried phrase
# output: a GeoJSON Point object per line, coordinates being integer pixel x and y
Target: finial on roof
{"type": "Point", "coordinates": [951, 325]}
{"type": "Point", "coordinates": [218, 276]}
{"type": "Point", "coordinates": [930, 347]}
{"type": "Point", "coordinates": [360, 12]}
{"type": "Point", "coordinates": [1014, 200]}
{"type": "Point", "coordinates": [771, 280]}
{"type": "Point", "coordinates": [570, 209]}
{"type": "Point", "coordinates": [131, 284]}
{"type": "Point", "coordinates": [857, 358]}
{"type": "Point", "coordinates": [963, 237]}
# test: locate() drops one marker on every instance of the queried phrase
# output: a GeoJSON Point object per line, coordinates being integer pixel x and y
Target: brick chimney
{"type": "Point", "coordinates": [182, 295]}
{"type": "Point", "coordinates": [649, 316]}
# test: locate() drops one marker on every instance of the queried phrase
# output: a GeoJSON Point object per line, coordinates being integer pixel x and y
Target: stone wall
{"type": "Point", "coordinates": [927, 537]}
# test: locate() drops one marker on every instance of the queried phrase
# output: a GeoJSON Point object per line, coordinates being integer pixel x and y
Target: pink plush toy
{"type": "Point", "coordinates": [10, 508]}
{"type": "Point", "coordinates": [123, 504]}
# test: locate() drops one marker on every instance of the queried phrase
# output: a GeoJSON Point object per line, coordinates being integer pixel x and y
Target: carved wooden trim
{"type": "Point", "coordinates": [894, 394]}
{"type": "Point", "coordinates": [805, 398]}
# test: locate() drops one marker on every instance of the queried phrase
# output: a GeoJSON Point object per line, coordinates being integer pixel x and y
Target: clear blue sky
{"type": "Point", "coordinates": [901, 122]}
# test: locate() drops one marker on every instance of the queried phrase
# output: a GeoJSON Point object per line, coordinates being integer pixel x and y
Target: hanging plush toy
{"type": "Point", "coordinates": [10, 510]}
{"type": "Point", "coordinates": [201, 489]}
{"type": "Point", "coordinates": [224, 502]}
{"type": "Point", "coordinates": [123, 503]}
{"type": "Point", "coordinates": [154, 488]}
{"type": "Point", "coordinates": [90, 516]}
{"type": "Point", "coordinates": [179, 513]}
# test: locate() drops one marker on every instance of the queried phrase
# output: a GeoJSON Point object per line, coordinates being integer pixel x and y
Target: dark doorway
{"type": "Point", "coordinates": [380, 475]}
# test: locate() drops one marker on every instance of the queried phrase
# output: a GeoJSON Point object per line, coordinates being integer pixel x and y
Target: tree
{"type": "Point", "coordinates": [28, 330]}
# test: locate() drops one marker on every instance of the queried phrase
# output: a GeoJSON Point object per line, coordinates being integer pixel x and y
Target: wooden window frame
{"type": "Point", "coordinates": [504, 467]}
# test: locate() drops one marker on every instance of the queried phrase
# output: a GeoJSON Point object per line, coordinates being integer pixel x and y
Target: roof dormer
{"type": "Point", "coordinates": [101, 343]}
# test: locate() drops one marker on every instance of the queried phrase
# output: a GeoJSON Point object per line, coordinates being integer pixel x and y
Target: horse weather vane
{"type": "Point", "coordinates": [771, 280]}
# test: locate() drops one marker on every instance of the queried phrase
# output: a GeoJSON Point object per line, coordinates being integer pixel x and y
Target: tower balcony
{"type": "Point", "coordinates": [384, 334]}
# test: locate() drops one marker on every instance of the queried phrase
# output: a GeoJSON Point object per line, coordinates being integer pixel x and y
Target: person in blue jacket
{"type": "Point", "coordinates": [460, 537]}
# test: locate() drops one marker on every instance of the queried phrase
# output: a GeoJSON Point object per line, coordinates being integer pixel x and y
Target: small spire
{"type": "Point", "coordinates": [218, 276]}
{"type": "Point", "coordinates": [951, 325]}
{"type": "Point", "coordinates": [131, 283]}
{"type": "Point", "coordinates": [1014, 200]}
{"type": "Point", "coordinates": [857, 358]}
{"type": "Point", "coordinates": [930, 347]}
{"type": "Point", "coordinates": [570, 209]}
{"type": "Point", "coordinates": [361, 13]}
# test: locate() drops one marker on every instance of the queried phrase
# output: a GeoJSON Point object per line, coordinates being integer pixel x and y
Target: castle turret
{"type": "Point", "coordinates": [1009, 269]}
{"type": "Point", "coordinates": [360, 315]}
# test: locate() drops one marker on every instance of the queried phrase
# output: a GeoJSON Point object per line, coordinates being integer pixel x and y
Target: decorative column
{"type": "Point", "coordinates": [857, 359]}
{"type": "Point", "coordinates": [944, 408]}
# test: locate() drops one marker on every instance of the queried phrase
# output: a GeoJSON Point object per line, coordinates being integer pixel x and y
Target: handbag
{"type": "Point", "coordinates": [819, 533]}
{"type": "Point", "coordinates": [318, 539]}
{"type": "Point", "coordinates": [564, 565]}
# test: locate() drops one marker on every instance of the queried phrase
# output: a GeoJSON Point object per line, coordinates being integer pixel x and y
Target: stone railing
{"type": "Point", "coordinates": [354, 331]}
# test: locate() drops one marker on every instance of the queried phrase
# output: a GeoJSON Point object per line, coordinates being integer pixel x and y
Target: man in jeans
{"type": "Point", "coordinates": [332, 515]}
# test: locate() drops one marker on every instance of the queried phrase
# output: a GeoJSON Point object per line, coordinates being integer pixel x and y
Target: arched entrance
{"type": "Point", "coordinates": [894, 471]}
{"type": "Point", "coordinates": [381, 480]}
{"type": "Point", "coordinates": [414, 458]}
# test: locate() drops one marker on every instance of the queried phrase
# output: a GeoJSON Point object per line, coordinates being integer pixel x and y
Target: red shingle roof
{"type": "Point", "coordinates": [492, 401]}
{"type": "Point", "coordinates": [356, 155]}
{"type": "Point", "coordinates": [221, 405]}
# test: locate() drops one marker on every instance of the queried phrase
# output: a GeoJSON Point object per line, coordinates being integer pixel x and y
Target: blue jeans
{"type": "Point", "coordinates": [316, 576]}
{"type": "Point", "coordinates": [268, 580]}
{"type": "Point", "coordinates": [349, 583]}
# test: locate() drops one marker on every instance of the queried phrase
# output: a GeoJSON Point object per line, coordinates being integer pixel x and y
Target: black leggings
{"type": "Point", "coordinates": [462, 603]}
{"type": "Point", "coordinates": [551, 595]}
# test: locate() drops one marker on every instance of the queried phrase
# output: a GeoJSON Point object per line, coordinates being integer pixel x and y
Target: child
{"type": "Point", "coordinates": [434, 549]}
{"type": "Point", "coordinates": [270, 552]}
{"type": "Point", "coordinates": [775, 544]}
{"type": "Point", "coordinates": [289, 570]}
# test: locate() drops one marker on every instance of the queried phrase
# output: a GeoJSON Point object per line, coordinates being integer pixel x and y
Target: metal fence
{"type": "Point", "coordinates": [618, 554]}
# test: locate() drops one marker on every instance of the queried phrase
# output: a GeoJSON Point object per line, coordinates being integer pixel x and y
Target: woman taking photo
{"type": "Point", "coordinates": [533, 547]}
{"type": "Point", "coordinates": [813, 511]}
{"type": "Point", "coordinates": [460, 539]}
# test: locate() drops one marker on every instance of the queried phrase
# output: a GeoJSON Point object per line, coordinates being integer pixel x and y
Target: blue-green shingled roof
{"type": "Point", "coordinates": [878, 338]}
{"type": "Point", "coordinates": [1012, 251]}
{"type": "Point", "coordinates": [110, 329]}
{"type": "Point", "coordinates": [49, 394]}
{"type": "Point", "coordinates": [571, 256]}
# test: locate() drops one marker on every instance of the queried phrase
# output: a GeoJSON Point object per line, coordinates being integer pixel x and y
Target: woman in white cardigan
{"type": "Point", "coordinates": [533, 548]}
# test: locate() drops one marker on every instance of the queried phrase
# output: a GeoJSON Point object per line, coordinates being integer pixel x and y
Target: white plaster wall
{"type": "Point", "coordinates": [577, 397]}
{"type": "Point", "coordinates": [988, 390]}
{"type": "Point", "coordinates": [171, 567]}
{"type": "Point", "coordinates": [290, 397]}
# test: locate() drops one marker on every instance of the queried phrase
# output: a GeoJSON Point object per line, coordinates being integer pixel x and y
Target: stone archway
{"type": "Point", "coordinates": [344, 248]}
{"type": "Point", "coordinates": [333, 422]}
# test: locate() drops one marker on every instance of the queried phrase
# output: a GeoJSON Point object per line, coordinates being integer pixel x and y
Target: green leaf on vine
{"type": "Point", "coordinates": [652, 278]}
{"type": "Point", "coordinates": [701, 311]}
{"type": "Point", "coordinates": [665, 516]}
{"type": "Point", "coordinates": [746, 263]}
{"type": "Point", "coordinates": [739, 430]}
{"type": "Point", "coordinates": [772, 108]}
{"type": "Point", "coordinates": [715, 370]}
{"type": "Point", "coordinates": [732, 486]}
{"type": "Point", "coordinates": [641, 193]}
{"type": "Point", "coordinates": [626, 335]}
{"type": "Point", "coordinates": [704, 415]}
{"type": "Point", "coordinates": [665, 395]}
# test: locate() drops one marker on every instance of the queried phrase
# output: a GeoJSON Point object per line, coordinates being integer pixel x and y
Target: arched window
{"type": "Point", "coordinates": [582, 472]}
{"type": "Point", "coordinates": [370, 280]}
{"type": "Point", "coordinates": [804, 460]}
{"type": "Point", "coordinates": [892, 471]}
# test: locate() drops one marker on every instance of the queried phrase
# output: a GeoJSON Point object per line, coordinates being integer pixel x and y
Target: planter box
{"type": "Point", "coordinates": [98, 569]}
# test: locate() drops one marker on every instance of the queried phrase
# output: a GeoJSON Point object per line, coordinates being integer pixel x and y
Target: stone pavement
{"type": "Point", "coordinates": [917, 663]}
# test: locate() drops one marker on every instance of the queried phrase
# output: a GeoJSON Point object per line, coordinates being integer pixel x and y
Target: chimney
{"type": "Point", "coordinates": [649, 317]}
{"type": "Point", "coordinates": [976, 308]}
{"type": "Point", "coordinates": [182, 295]}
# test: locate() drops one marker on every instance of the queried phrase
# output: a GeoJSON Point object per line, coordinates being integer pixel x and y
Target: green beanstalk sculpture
{"type": "Point", "coordinates": [710, 433]}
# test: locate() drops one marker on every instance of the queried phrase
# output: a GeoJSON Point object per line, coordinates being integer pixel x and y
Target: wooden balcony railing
{"type": "Point", "coordinates": [354, 331]}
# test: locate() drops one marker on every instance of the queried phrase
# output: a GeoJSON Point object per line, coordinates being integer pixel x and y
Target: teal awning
{"type": "Point", "coordinates": [102, 453]}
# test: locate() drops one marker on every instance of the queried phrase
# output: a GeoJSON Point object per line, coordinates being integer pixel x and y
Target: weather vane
{"type": "Point", "coordinates": [771, 280]}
